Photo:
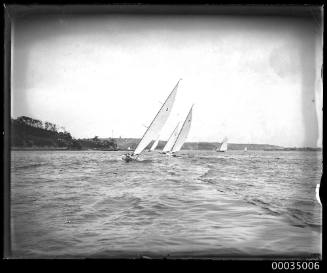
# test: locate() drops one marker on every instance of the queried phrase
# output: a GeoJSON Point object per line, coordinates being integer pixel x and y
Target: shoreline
{"type": "Point", "coordinates": [124, 150]}
{"type": "Point", "coordinates": [56, 149]}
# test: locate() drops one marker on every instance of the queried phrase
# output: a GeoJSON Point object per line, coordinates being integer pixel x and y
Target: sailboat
{"type": "Point", "coordinates": [154, 145]}
{"type": "Point", "coordinates": [155, 127]}
{"type": "Point", "coordinates": [318, 194]}
{"type": "Point", "coordinates": [171, 140]}
{"type": "Point", "coordinates": [183, 133]}
{"type": "Point", "coordinates": [223, 146]}
{"type": "Point", "coordinates": [245, 149]}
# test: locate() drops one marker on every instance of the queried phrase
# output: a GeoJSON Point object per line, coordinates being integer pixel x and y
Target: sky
{"type": "Point", "coordinates": [251, 79]}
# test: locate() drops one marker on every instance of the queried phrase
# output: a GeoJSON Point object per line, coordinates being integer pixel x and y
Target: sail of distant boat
{"type": "Point", "coordinates": [154, 145]}
{"type": "Point", "coordinates": [318, 194]}
{"type": "Point", "coordinates": [171, 140]}
{"type": "Point", "coordinates": [183, 133]}
{"type": "Point", "coordinates": [223, 147]}
{"type": "Point", "coordinates": [245, 149]}
{"type": "Point", "coordinates": [156, 125]}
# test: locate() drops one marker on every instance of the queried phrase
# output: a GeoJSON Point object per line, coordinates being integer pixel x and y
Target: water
{"type": "Point", "coordinates": [203, 204]}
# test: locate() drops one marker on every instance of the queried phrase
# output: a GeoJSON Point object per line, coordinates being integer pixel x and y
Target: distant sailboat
{"type": "Point", "coordinates": [171, 140]}
{"type": "Point", "coordinates": [223, 147]}
{"type": "Point", "coordinates": [183, 133]}
{"type": "Point", "coordinates": [317, 194]}
{"type": "Point", "coordinates": [245, 149]}
{"type": "Point", "coordinates": [154, 145]}
{"type": "Point", "coordinates": [155, 127]}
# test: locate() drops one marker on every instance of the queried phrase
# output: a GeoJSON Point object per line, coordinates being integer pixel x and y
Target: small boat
{"type": "Point", "coordinates": [171, 140]}
{"type": "Point", "coordinates": [223, 146]}
{"type": "Point", "coordinates": [154, 145]}
{"type": "Point", "coordinates": [128, 157]}
{"type": "Point", "coordinates": [318, 194]}
{"type": "Point", "coordinates": [245, 149]}
{"type": "Point", "coordinates": [155, 127]}
{"type": "Point", "coordinates": [183, 133]}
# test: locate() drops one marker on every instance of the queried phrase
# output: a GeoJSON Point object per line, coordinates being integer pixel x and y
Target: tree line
{"type": "Point", "coordinates": [34, 133]}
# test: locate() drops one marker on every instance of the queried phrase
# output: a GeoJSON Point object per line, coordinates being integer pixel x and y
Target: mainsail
{"type": "Point", "coordinates": [183, 133]}
{"type": "Point", "coordinates": [154, 145]}
{"type": "Point", "coordinates": [171, 140]}
{"type": "Point", "coordinates": [158, 122]}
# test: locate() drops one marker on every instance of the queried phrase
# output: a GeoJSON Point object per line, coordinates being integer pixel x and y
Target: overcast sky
{"type": "Point", "coordinates": [252, 80]}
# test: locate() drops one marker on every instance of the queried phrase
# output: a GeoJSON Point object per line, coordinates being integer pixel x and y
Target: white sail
{"type": "Point", "coordinates": [183, 133]}
{"type": "Point", "coordinates": [158, 122]}
{"type": "Point", "coordinates": [317, 194]}
{"type": "Point", "coordinates": [154, 145]}
{"type": "Point", "coordinates": [171, 140]}
{"type": "Point", "coordinates": [245, 149]}
{"type": "Point", "coordinates": [223, 147]}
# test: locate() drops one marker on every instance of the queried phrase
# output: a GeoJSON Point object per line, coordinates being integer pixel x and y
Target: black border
{"type": "Point", "coordinates": [267, 9]}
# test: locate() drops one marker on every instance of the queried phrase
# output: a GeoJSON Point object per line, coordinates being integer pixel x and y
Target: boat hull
{"type": "Point", "coordinates": [170, 154]}
{"type": "Point", "coordinates": [128, 158]}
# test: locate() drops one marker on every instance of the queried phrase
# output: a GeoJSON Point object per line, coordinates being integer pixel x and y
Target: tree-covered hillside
{"type": "Point", "coordinates": [27, 132]}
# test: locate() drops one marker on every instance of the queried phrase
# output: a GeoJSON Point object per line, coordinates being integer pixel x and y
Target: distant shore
{"type": "Point", "coordinates": [38, 149]}
{"type": "Point", "coordinates": [126, 150]}
{"type": "Point", "coordinates": [309, 149]}
{"type": "Point", "coordinates": [30, 134]}
{"type": "Point", "coordinates": [55, 149]}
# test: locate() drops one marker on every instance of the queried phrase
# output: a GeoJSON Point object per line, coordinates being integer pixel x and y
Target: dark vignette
{"type": "Point", "coordinates": [15, 11]}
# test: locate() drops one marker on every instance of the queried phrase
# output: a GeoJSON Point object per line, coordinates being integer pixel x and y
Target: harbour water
{"type": "Point", "coordinates": [203, 204]}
